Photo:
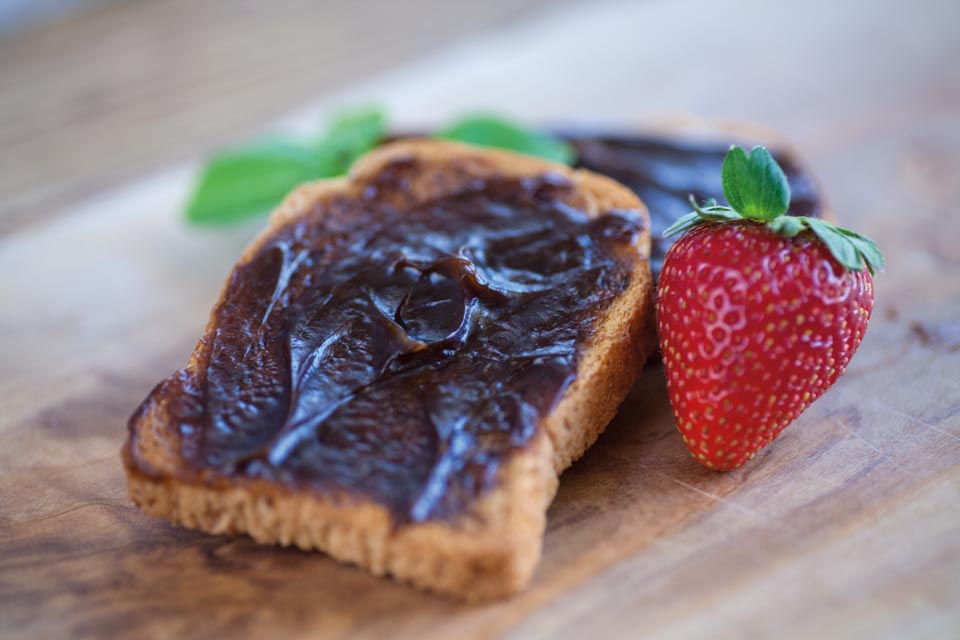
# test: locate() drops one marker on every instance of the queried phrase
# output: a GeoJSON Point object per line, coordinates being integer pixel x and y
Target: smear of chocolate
{"type": "Point", "coordinates": [399, 353]}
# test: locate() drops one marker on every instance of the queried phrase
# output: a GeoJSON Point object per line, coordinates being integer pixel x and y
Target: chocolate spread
{"type": "Point", "coordinates": [399, 353]}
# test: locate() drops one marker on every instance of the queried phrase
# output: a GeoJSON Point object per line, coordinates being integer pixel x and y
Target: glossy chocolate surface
{"type": "Point", "coordinates": [400, 354]}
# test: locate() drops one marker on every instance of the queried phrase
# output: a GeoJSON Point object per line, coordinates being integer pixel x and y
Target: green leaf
{"type": "Point", "coordinates": [253, 179]}
{"type": "Point", "coordinates": [867, 249]}
{"type": "Point", "coordinates": [851, 249]}
{"type": "Point", "coordinates": [839, 245]}
{"type": "Point", "coordinates": [713, 212]}
{"type": "Point", "coordinates": [787, 226]}
{"type": "Point", "coordinates": [708, 213]}
{"type": "Point", "coordinates": [249, 180]}
{"type": "Point", "coordinates": [688, 221]}
{"type": "Point", "coordinates": [350, 135]}
{"type": "Point", "coordinates": [754, 184]}
{"type": "Point", "coordinates": [490, 131]}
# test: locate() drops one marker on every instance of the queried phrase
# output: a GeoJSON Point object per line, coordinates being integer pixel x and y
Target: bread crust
{"type": "Point", "coordinates": [493, 548]}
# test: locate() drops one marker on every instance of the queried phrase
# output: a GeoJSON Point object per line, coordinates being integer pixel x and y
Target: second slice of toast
{"type": "Point", "coordinates": [204, 464]}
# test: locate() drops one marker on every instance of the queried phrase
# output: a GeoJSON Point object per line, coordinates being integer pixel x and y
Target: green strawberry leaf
{"type": "Point", "coordinates": [754, 184]}
{"type": "Point", "coordinates": [839, 245]}
{"type": "Point", "coordinates": [786, 226]}
{"type": "Point", "coordinates": [711, 211]}
{"type": "Point", "coordinates": [867, 249]}
{"type": "Point", "coordinates": [249, 180]}
{"type": "Point", "coordinates": [685, 223]}
{"type": "Point", "coordinates": [708, 212]}
{"type": "Point", "coordinates": [490, 131]}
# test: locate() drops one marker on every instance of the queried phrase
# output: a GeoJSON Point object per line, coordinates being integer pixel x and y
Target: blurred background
{"type": "Point", "coordinates": [108, 106]}
{"type": "Point", "coordinates": [96, 92]}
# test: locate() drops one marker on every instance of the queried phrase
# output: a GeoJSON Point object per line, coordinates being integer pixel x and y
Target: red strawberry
{"type": "Point", "coordinates": [758, 315]}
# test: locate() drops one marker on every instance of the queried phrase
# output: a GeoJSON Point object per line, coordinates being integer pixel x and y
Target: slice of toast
{"type": "Point", "coordinates": [492, 547]}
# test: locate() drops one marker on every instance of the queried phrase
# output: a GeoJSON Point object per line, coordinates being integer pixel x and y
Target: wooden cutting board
{"type": "Point", "coordinates": [848, 526]}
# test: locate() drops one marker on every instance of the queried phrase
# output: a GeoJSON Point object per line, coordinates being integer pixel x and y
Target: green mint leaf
{"type": "Point", "coordinates": [490, 131]}
{"type": "Point", "coordinates": [350, 135]}
{"type": "Point", "coordinates": [253, 179]}
{"type": "Point", "coordinates": [249, 180]}
{"type": "Point", "coordinates": [754, 184]}
{"type": "Point", "coordinates": [838, 244]}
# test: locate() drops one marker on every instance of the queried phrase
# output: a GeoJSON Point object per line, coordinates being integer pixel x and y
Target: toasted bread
{"type": "Point", "coordinates": [492, 549]}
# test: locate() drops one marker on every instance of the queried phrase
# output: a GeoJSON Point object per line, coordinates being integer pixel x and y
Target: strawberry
{"type": "Point", "coordinates": [758, 313]}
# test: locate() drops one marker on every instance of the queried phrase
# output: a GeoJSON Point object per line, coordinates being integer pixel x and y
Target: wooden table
{"type": "Point", "coordinates": [847, 527]}
{"type": "Point", "coordinates": [93, 100]}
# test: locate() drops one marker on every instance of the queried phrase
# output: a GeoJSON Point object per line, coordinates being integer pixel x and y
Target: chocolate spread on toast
{"type": "Point", "coordinates": [400, 354]}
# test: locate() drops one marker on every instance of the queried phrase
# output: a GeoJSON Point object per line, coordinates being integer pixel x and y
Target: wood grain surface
{"type": "Point", "coordinates": [129, 86]}
{"type": "Point", "coordinates": [847, 527]}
